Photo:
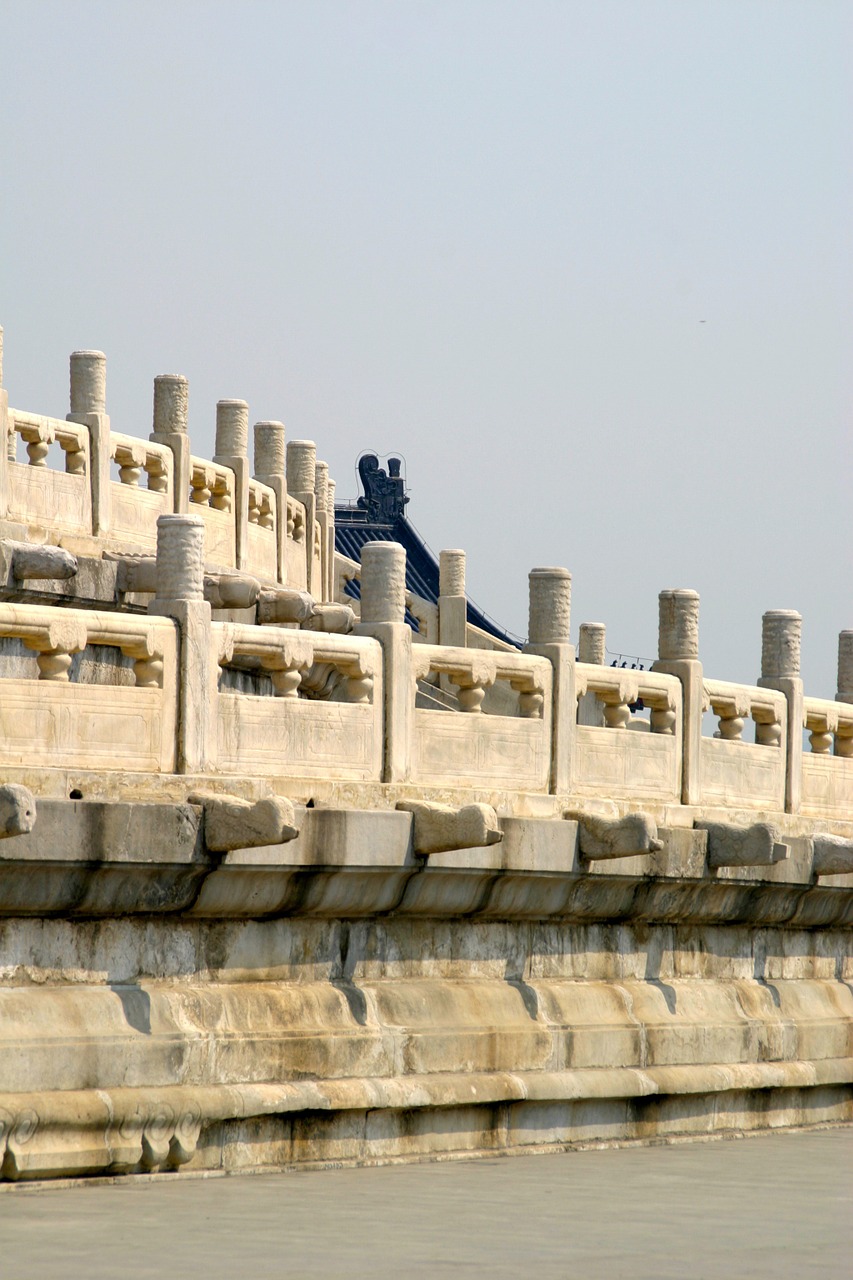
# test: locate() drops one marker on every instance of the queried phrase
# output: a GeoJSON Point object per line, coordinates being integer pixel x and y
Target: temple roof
{"type": "Point", "coordinates": [379, 516]}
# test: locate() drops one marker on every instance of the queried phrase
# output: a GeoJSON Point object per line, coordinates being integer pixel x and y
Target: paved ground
{"type": "Point", "coordinates": [778, 1206]}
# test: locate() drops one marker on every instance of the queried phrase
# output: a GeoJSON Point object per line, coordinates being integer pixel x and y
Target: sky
{"type": "Point", "coordinates": [586, 266]}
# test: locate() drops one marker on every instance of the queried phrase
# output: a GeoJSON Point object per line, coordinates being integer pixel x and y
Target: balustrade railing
{"type": "Point", "coordinates": [477, 746]}
{"type": "Point", "coordinates": [38, 493]}
{"type": "Point", "coordinates": [54, 721]}
{"type": "Point", "coordinates": [297, 562]}
{"type": "Point", "coordinates": [282, 702]}
{"type": "Point", "coordinates": [828, 767]}
{"type": "Point", "coordinates": [324, 717]}
{"type": "Point", "coordinates": [735, 771]}
{"type": "Point", "coordinates": [252, 523]}
{"type": "Point", "coordinates": [288, 703]}
{"type": "Point", "coordinates": [606, 759]}
{"type": "Point", "coordinates": [134, 506]}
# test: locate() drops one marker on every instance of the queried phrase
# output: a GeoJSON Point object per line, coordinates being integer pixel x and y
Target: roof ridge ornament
{"type": "Point", "coordinates": [384, 496]}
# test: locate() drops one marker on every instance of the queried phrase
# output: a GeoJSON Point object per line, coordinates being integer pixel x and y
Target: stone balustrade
{"type": "Point", "coordinates": [37, 494]}
{"type": "Point", "coordinates": [469, 747]}
{"type": "Point", "coordinates": [59, 719]}
{"type": "Point", "coordinates": [735, 771]}
{"type": "Point", "coordinates": [284, 702]}
{"type": "Point", "coordinates": [827, 770]}
{"type": "Point", "coordinates": [646, 761]}
{"type": "Point", "coordinates": [253, 523]}
{"type": "Point", "coordinates": [324, 718]}
{"type": "Point", "coordinates": [135, 505]}
{"type": "Point", "coordinates": [539, 723]}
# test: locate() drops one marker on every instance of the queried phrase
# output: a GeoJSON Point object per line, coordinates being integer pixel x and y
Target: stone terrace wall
{"type": "Point", "coordinates": [280, 887]}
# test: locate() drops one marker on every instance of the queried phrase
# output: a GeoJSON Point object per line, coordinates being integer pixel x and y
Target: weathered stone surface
{"type": "Point", "coordinates": [137, 574]}
{"type": "Point", "coordinates": [731, 846]}
{"type": "Point", "coordinates": [604, 838]}
{"type": "Point", "coordinates": [85, 857]}
{"type": "Point", "coordinates": [42, 562]}
{"type": "Point", "coordinates": [17, 810]}
{"type": "Point", "coordinates": [91, 831]}
{"type": "Point", "coordinates": [481, 1029]}
{"type": "Point", "coordinates": [221, 590]}
{"type": "Point", "coordinates": [231, 590]}
{"type": "Point", "coordinates": [336, 618]}
{"type": "Point", "coordinates": [436, 828]}
{"type": "Point", "coordinates": [833, 856]}
{"type": "Point", "coordinates": [285, 604]}
{"type": "Point", "coordinates": [231, 823]}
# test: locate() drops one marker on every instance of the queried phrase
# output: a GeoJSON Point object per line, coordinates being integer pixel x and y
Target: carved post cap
{"type": "Point", "coordinates": [270, 453]}
{"type": "Point", "coordinates": [321, 485]}
{"type": "Point", "coordinates": [845, 667]}
{"type": "Point", "coordinates": [678, 624]}
{"type": "Point", "coordinates": [451, 573]}
{"type": "Point", "coordinates": [780, 643]}
{"type": "Point", "coordinates": [301, 461]}
{"type": "Point", "coordinates": [180, 557]}
{"type": "Point", "coordinates": [383, 582]}
{"type": "Point", "coordinates": [550, 605]}
{"type": "Point", "coordinates": [591, 646]}
{"type": "Point", "coordinates": [171, 404]}
{"type": "Point", "coordinates": [232, 428]}
{"type": "Point", "coordinates": [332, 487]}
{"type": "Point", "coordinates": [88, 382]}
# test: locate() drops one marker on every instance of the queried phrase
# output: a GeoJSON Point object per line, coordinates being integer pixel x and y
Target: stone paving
{"type": "Point", "coordinates": [772, 1206]}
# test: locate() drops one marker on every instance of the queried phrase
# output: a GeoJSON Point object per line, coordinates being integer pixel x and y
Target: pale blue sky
{"type": "Point", "coordinates": [485, 235]}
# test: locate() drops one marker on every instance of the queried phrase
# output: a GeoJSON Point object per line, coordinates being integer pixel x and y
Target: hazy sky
{"type": "Point", "coordinates": [586, 265]}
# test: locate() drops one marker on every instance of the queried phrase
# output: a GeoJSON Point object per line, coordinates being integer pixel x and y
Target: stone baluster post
{"type": "Point", "coordinates": [271, 470]}
{"type": "Point", "coordinates": [321, 506]}
{"type": "Point", "coordinates": [592, 650]}
{"type": "Point", "coordinates": [89, 409]}
{"type": "Point", "coordinates": [330, 507]}
{"type": "Point", "coordinates": [171, 409]}
{"type": "Point", "coordinates": [383, 610]}
{"type": "Point", "coordinates": [550, 606]}
{"type": "Point", "coordinates": [180, 595]}
{"type": "Point", "coordinates": [843, 742]}
{"type": "Point", "coordinates": [678, 655]}
{"type": "Point", "coordinates": [452, 601]}
{"type": "Point", "coordinates": [591, 643]}
{"type": "Point", "coordinates": [7, 441]}
{"type": "Point", "coordinates": [845, 667]}
{"type": "Point", "coordinates": [232, 450]}
{"type": "Point", "coordinates": [781, 631]}
{"type": "Point", "coordinates": [301, 479]}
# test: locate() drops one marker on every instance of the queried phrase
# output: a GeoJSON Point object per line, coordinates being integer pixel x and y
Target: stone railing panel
{"type": "Point", "coordinates": [626, 756]}
{"type": "Point", "coordinates": [828, 768]}
{"type": "Point", "coordinates": [261, 531]}
{"type": "Point", "coordinates": [325, 717]}
{"type": "Point", "coordinates": [212, 496]}
{"type": "Point", "coordinates": [317, 559]}
{"type": "Point", "coordinates": [39, 494]}
{"type": "Point", "coordinates": [737, 772]}
{"type": "Point", "coordinates": [144, 490]}
{"type": "Point", "coordinates": [468, 748]}
{"type": "Point", "coordinates": [53, 721]}
{"type": "Point", "coordinates": [297, 563]}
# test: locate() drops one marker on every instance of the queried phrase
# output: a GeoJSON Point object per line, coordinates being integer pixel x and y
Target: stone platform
{"type": "Point", "coordinates": [290, 878]}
